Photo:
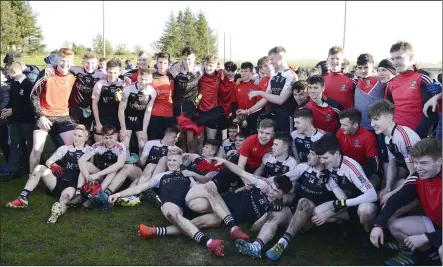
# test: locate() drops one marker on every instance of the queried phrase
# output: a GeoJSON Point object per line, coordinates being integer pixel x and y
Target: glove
{"type": "Point", "coordinates": [434, 88]}
{"type": "Point", "coordinates": [56, 169]}
{"type": "Point", "coordinates": [324, 176]}
{"type": "Point", "coordinates": [339, 205]}
{"type": "Point", "coordinates": [276, 205]}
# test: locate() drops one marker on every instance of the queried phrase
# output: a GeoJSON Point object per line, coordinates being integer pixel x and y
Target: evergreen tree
{"type": "Point", "coordinates": [170, 41]}
{"type": "Point", "coordinates": [207, 40]}
{"type": "Point", "coordinates": [97, 46]}
{"type": "Point", "coordinates": [189, 31]}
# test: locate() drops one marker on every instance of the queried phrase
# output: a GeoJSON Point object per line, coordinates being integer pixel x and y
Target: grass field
{"type": "Point", "coordinates": [94, 237]}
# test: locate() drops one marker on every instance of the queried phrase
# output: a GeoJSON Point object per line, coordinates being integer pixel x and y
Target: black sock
{"type": "Point", "coordinates": [229, 221]}
{"type": "Point", "coordinates": [25, 194]}
{"type": "Point", "coordinates": [432, 253]}
{"type": "Point", "coordinates": [201, 238]}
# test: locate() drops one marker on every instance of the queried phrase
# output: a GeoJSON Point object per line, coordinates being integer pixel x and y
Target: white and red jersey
{"type": "Point", "coordinates": [400, 143]}
{"type": "Point", "coordinates": [273, 167]}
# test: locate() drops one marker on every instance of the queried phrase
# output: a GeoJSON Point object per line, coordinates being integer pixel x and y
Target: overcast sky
{"type": "Point", "coordinates": [305, 29]}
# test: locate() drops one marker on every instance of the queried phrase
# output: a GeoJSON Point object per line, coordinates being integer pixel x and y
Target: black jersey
{"type": "Point", "coordinates": [137, 100]}
{"type": "Point", "coordinates": [67, 157]}
{"type": "Point", "coordinates": [82, 91]}
{"type": "Point", "coordinates": [279, 82]}
{"type": "Point", "coordinates": [272, 167]}
{"type": "Point", "coordinates": [104, 92]}
{"type": "Point", "coordinates": [154, 150]}
{"type": "Point", "coordinates": [173, 186]}
{"type": "Point", "coordinates": [303, 143]}
{"type": "Point", "coordinates": [107, 156]}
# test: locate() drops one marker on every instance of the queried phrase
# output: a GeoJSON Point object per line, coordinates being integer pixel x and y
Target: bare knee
{"type": "Point", "coordinates": [172, 216]}
{"type": "Point", "coordinates": [396, 227]}
{"type": "Point", "coordinates": [366, 212]}
{"type": "Point", "coordinates": [304, 205]}
{"type": "Point", "coordinates": [40, 169]}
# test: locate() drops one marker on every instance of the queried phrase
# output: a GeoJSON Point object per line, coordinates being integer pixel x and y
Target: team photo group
{"type": "Point", "coordinates": [219, 145]}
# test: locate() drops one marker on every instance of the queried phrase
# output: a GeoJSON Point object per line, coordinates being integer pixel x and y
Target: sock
{"type": "Point", "coordinates": [432, 253]}
{"type": "Point", "coordinates": [78, 191]}
{"type": "Point", "coordinates": [284, 241]}
{"type": "Point", "coordinates": [25, 194]}
{"type": "Point", "coordinates": [108, 192]}
{"type": "Point", "coordinates": [160, 231]}
{"type": "Point", "coordinates": [201, 238]}
{"type": "Point", "coordinates": [233, 184]}
{"type": "Point", "coordinates": [229, 221]}
{"type": "Point", "coordinates": [258, 243]}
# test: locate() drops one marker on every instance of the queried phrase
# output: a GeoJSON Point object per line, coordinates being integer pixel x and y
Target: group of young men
{"type": "Point", "coordinates": [277, 148]}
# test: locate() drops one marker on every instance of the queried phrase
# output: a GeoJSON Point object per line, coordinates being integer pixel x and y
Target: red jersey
{"type": "Point", "coordinates": [263, 86]}
{"type": "Point", "coordinates": [164, 85]}
{"type": "Point", "coordinates": [225, 93]}
{"type": "Point", "coordinates": [406, 92]}
{"type": "Point", "coordinates": [339, 87]}
{"type": "Point", "coordinates": [134, 76]}
{"type": "Point", "coordinates": [326, 115]}
{"type": "Point", "coordinates": [209, 87]}
{"type": "Point", "coordinates": [359, 146]}
{"type": "Point", "coordinates": [254, 151]}
{"type": "Point", "coordinates": [241, 95]}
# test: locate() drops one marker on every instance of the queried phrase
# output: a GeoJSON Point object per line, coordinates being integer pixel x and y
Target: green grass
{"type": "Point", "coordinates": [94, 237]}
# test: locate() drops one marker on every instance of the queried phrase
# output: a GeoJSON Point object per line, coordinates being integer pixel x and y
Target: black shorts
{"type": "Point", "coordinates": [226, 179]}
{"type": "Point", "coordinates": [69, 180]}
{"type": "Point", "coordinates": [240, 206]}
{"type": "Point", "coordinates": [60, 124]}
{"type": "Point", "coordinates": [157, 126]}
{"type": "Point", "coordinates": [224, 122]}
{"type": "Point", "coordinates": [134, 123]}
{"type": "Point", "coordinates": [187, 107]}
{"type": "Point", "coordinates": [283, 122]}
{"type": "Point", "coordinates": [77, 117]}
{"type": "Point", "coordinates": [107, 121]}
{"type": "Point", "coordinates": [210, 118]}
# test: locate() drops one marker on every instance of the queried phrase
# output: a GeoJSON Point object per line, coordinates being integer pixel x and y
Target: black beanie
{"type": "Point", "coordinates": [387, 64]}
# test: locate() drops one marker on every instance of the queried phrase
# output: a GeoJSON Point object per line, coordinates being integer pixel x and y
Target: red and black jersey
{"type": "Point", "coordinates": [340, 87]}
{"type": "Point", "coordinates": [254, 151]}
{"type": "Point", "coordinates": [409, 93]}
{"type": "Point", "coordinates": [326, 115]}
{"type": "Point", "coordinates": [225, 92]}
{"type": "Point", "coordinates": [362, 147]}
{"type": "Point", "coordinates": [164, 85]}
{"type": "Point", "coordinates": [429, 193]}
{"type": "Point", "coordinates": [209, 88]}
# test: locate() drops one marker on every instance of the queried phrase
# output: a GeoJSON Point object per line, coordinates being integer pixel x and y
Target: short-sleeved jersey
{"type": "Point", "coordinates": [241, 93]}
{"type": "Point", "coordinates": [341, 88]}
{"type": "Point", "coordinates": [315, 185]}
{"type": "Point", "coordinates": [154, 150]}
{"type": "Point", "coordinates": [406, 92]}
{"type": "Point", "coordinates": [104, 93]}
{"type": "Point", "coordinates": [107, 156]}
{"type": "Point", "coordinates": [186, 87]}
{"type": "Point", "coordinates": [84, 84]}
{"type": "Point", "coordinates": [209, 89]}
{"type": "Point", "coordinates": [367, 92]}
{"type": "Point", "coordinates": [273, 167]}
{"type": "Point", "coordinates": [172, 184]}
{"type": "Point", "coordinates": [225, 95]}
{"type": "Point", "coordinates": [303, 143]}
{"type": "Point", "coordinates": [228, 145]}
{"type": "Point", "coordinates": [138, 100]}
{"type": "Point", "coordinates": [325, 115]}
{"type": "Point", "coordinates": [400, 143]}
{"type": "Point", "coordinates": [257, 198]}
{"type": "Point", "coordinates": [279, 82]}
{"type": "Point", "coordinates": [350, 177]}
{"type": "Point", "coordinates": [67, 157]}
{"type": "Point", "coordinates": [254, 151]}
{"type": "Point", "coordinates": [359, 146]}
{"type": "Point", "coordinates": [164, 85]}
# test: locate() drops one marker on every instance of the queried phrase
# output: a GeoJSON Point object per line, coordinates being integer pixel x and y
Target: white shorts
{"type": "Point", "coordinates": [428, 224]}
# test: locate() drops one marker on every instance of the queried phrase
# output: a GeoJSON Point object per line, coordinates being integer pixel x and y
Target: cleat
{"type": "Point", "coordinates": [246, 248]}
{"type": "Point", "coordinates": [216, 247]}
{"type": "Point", "coordinates": [56, 212]}
{"type": "Point", "coordinates": [17, 204]}
{"type": "Point", "coordinates": [133, 201]}
{"type": "Point", "coordinates": [4, 170]}
{"type": "Point", "coordinates": [275, 252]}
{"type": "Point", "coordinates": [77, 200]}
{"type": "Point", "coordinates": [239, 234]}
{"type": "Point", "coordinates": [146, 232]}
{"type": "Point", "coordinates": [401, 259]}
{"type": "Point", "coordinates": [103, 198]}
{"type": "Point", "coordinates": [133, 159]}
{"type": "Point", "coordinates": [391, 245]}
{"type": "Point", "coordinates": [152, 197]}
{"type": "Point", "coordinates": [90, 203]}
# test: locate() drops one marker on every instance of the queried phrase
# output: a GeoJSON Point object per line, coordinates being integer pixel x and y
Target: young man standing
{"type": "Point", "coordinates": [300, 93]}
{"type": "Point", "coordinates": [409, 91]}
{"type": "Point", "coordinates": [337, 85]}
{"type": "Point", "coordinates": [225, 94]}
{"type": "Point", "coordinates": [173, 186]}
{"type": "Point", "coordinates": [105, 99]}
{"type": "Point", "coordinates": [304, 135]}
{"type": "Point", "coordinates": [369, 88]}
{"type": "Point", "coordinates": [325, 109]}
{"type": "Point", "coordinates": [358, 143]}
{"type": "Point", "coordinates": [278, 93]}
{"type": "Point", "coordinates": [162, 116]}
{"type": "Point", "coordinates": [134, 111]}
{"type": "Point", "coordinates": [142, 63]}
{"type": "Point", "coordinates": [399, 140]}
{"type": "Point", "coordinates": [59, 174]}
{"type": "Point", "coordinates": [416, 232]}
{"type": "Point", "coordinates": [21, 118]}
{"type": "Point", "coordinates": [50, 97]}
